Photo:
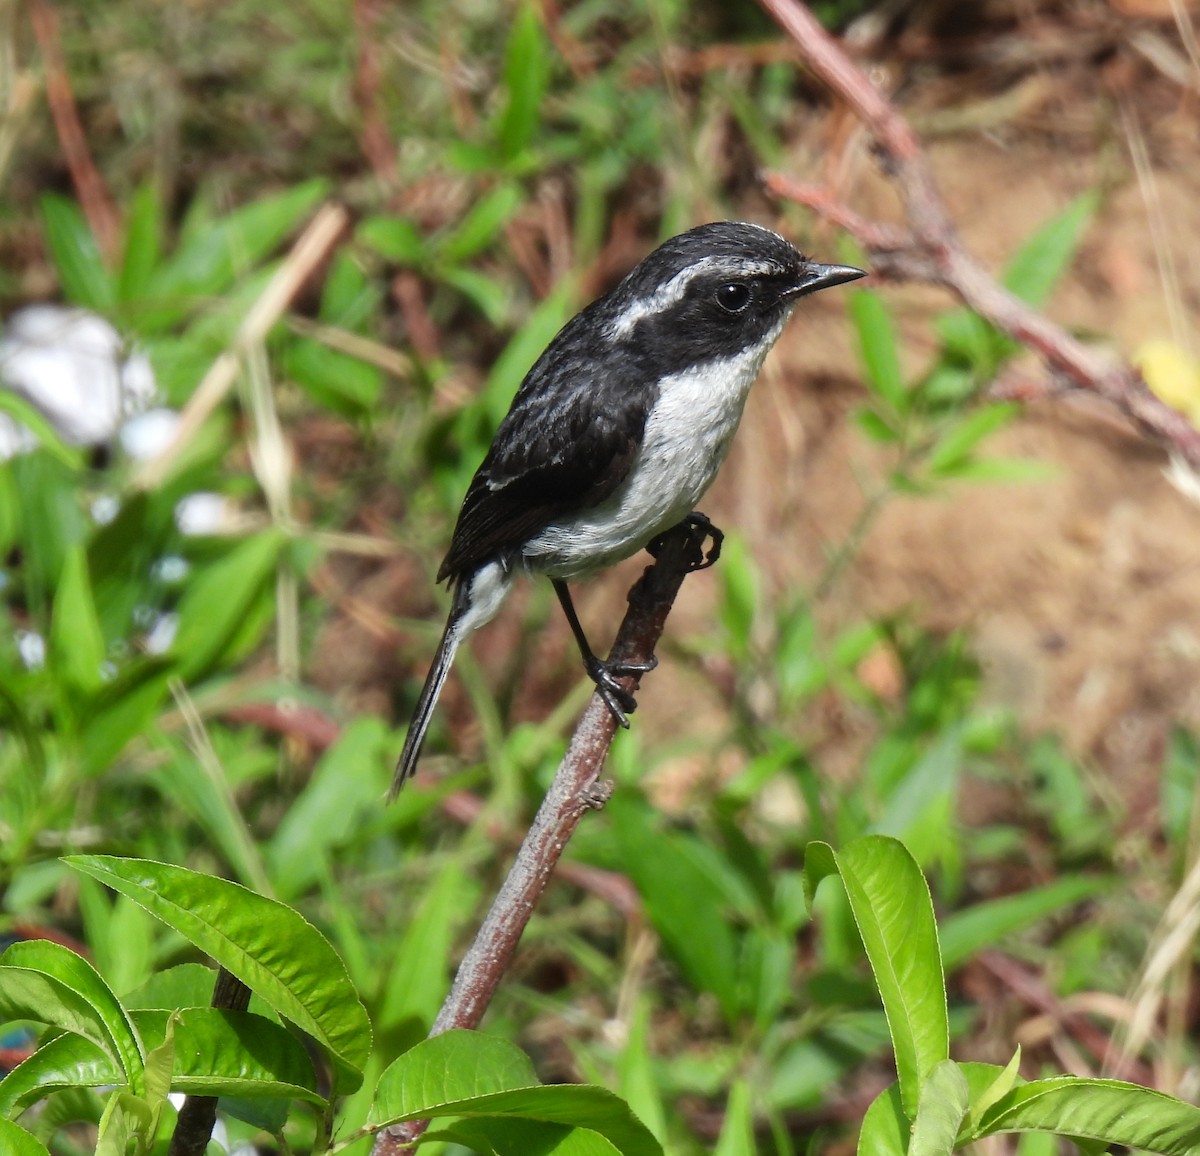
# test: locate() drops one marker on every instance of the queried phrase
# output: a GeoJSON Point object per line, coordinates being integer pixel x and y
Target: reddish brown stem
{"type": "Point", "coordinates": [576, 789]}
{"type": "Point", "coordinates": [97, 205]}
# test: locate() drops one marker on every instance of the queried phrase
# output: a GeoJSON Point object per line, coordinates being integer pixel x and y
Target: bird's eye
{"type": "Point", "coordinates": [733, 298]}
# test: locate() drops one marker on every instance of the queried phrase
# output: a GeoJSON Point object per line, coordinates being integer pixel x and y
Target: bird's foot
{"type": "Point", "coordinates": [620, 702]}
{"type": "Point", "coordinates": [701, 528]}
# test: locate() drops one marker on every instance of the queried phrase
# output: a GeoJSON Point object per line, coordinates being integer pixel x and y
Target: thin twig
{"type": "Point", "coordinates": [575, 790]}
{"type": "Point", "coordinates": [98, 207]}
{"type": "Point", "coordinates": [930, 249]}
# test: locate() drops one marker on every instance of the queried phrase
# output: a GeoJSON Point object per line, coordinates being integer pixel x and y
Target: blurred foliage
{"type": "Point", "coordinates": [519, 148]}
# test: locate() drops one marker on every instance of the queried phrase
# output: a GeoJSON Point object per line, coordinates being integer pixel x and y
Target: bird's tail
{"type": "Point", "coordinates": [434, 681]}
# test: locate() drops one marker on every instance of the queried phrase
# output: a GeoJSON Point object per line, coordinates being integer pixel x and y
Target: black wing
{"type": "Point", "coordinates": [568, 441]}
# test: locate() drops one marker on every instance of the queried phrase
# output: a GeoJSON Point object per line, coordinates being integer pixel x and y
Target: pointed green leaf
{"type": "Point", "coordinates": [482, 224]}
{"type": "Point", "coordinates": [1109, 1111]}
{"type": "Point", "coordinates": [67, 1061]}
{"type": "Point", "coordinates": [514, 1137]}
{"type": "Point", "coordinates": [272, 949]}
{"type": "Point", "coordinates": [45, 982]}
{"type": "Point", "coordinates": [893, 910]}
{"type": "Point", "coordinates": [1045, 257]}
{"type": "Point", "coordinates": [941, 1111]}
{"type": "Point", "coordinates": [32, 418]}
{"type": "Point", "coordinates": [1002, 1083]}
{"type": "Point", "coordinates": [218, 600]}
{"type": "Point", "coordinates": [461, 1073]}
{"type": "Point", "coordinates": [394, 239]}
{"type": "Point", "coordinates": [76, 643]}
{"type": "Point", "coordinates": [877, 346]}
{"type": "Point", "coordinates": [143, 246]}
{"type": "Point", "coordinates": [218, 1052]}
{"type": "Point", "coordinates": [737, 1129]}
{"type": "Point", "coordinates": [81, 270]}
{"type": "Point", "coordinates": [885, 1128]}
{"type": "Point", "coordinates": [987, 924]}
{"type": "Point", "coordinates": [125, 1116]}
{"type": "Point", "coordinates": [15, 1141]}
{"type": "Point", "coordinates": [526, 71]}
{"type": "Point", "coordinates": [212, 258]}
{"type": "Point", "coordinates": [965, 434]}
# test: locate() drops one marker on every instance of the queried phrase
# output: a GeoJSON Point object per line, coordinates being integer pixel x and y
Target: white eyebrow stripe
{"type": "Point", "coordinates": [673, 291]}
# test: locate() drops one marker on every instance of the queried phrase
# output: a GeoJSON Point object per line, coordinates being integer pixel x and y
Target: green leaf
{"type": "Point", "coordinates": [211, 259]}
{"type": "Point", "coordinates": [15, 1141]}
{"type": "Point", "coordinates": [480, 227]}
{"type": "Point", "coordinates": [970, 339]}
{"type": "Point", "coordinates": [76, 643]}
{"type": "Point", "coordinates": [81, 270]}
{"type": "Point", "coordinates": [122, 710]}
{"type": "Point", "coordinates": [1002, 1083]}
{"type": "Point", "coordinates": [394, 239]}
{"type": "Point", "coordinates": [91, 1003]}
{"type": "Point", "coordinates": [877, 346]}
{"type": "Point", "coordinates": [965, 434]}
{"type": "Point", "coordinates": [143, 246]}
{"type": "Point", "coordinates": [737, 1129]}
{"type": "Point", "coordinates": [67, 1061]}
{"type": "Point", "coordinates": [1045, 257]}
{"type": "Point", "coordinates": [942, 1109]}
{"type": "Point", "coordinates": [987, 924]}
{"type": "Point", "coordinates": [875, 427]}
{"type": "Point", "coordinates": [125, 1118]}
{"type": "Point", "coordinates": [491, 297]}
{"type": "Point", "coordinates": [526, 72]}
{"type": "Point", "coordinates": [892, 907]}
{"type": "Point", "coordinates": [885, 1129]}
{"type": "Point", "coordinates": [1109, 1111]}
{"type": "Point", "coordinates": [344, 384]}
{"type": "Point", "coordinates": [342, 791]}
{"type": "Point", "coordinates": [219, 598]}
{"type": "Point", "coordinates": [229, 1053]}
{"type": "Point", "coordinates": [663, 866]}
{"type": "Point", "coordinates": [417, 980]}
{"type": "Point", "coordinates": [32, 418]}
{"type": "Point", "coordinates": [461, 1073]}
{"type": "Point", "coordinates": [272, 949]}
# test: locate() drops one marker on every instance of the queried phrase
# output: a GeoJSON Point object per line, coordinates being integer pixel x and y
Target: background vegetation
{"type": "Point", "coordinates": [505, 163]}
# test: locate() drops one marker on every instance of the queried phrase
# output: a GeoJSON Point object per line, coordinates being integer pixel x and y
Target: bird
{"type": "Point", "coordinates": [616, 432]}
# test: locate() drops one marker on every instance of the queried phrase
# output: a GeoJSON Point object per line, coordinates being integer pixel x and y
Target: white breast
{"type": "Point", "coordinates": [687, 436]}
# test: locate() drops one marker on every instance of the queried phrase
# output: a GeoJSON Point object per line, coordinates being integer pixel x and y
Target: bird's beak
{"type": "Point", "coordinates": [817, 277]}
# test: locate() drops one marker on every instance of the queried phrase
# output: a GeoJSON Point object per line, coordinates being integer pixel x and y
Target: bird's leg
{"type": "Point", "coordinates": [697, 521]}
{"type": "Point", "coordinates": [604, 674]}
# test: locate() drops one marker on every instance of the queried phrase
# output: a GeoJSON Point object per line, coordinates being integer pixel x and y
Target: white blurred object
{"type": "Point", "coordinates": [1185, 479]}
{"type": "Point", "coordinates": [203, 513]}
{"type": "Point", "coordinates": [73, 366]}
{"type": "Point", "coordinates": [161, 634]}
{"type": "Point", "coordinates": [31, 646]}
{"type": "Point", "coordinates": [143, 435]}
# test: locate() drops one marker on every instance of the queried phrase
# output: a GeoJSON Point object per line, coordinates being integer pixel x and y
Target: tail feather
{"type": "Point", "coordinates": [477, 596]}
{"type": "Point", "coordinates": [434, 681]}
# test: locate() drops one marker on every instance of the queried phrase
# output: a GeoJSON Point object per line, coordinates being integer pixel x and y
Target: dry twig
{"type": "Point", "coordinates": [575, 790]}
{"type": "Point", "coordinates": [930, 250]}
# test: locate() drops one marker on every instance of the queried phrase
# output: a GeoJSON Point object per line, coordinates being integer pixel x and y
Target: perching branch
{"type": "Point", "coordinates": [930, 249]}
{"type": "Point", "coordinates": [575, 790]}
{"type": "Point", "coordinates": [194, 1128]}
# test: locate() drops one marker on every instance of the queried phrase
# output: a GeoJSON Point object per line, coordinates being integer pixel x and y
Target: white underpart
{"type": "Point", "coordinates": [673, 291]}
{"type": "Point", "coordinates": [688, 433]}
{"type": "Point", "coordinates": [490, 585]}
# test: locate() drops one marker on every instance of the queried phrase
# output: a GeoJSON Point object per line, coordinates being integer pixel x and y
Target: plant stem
{"type": "Point", "coordinates": [575, 790]}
